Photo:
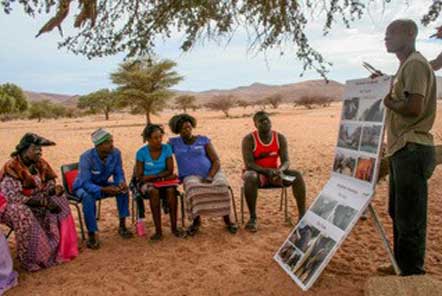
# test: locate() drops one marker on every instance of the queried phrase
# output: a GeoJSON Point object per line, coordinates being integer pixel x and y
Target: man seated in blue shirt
{"type": "Point", "coordinates": [97, 166]}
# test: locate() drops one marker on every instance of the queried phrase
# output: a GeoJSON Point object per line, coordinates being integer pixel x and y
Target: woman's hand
{"type": "Point", "coordinates": [53, 207]}
{"type": "Point", "coordinates": [59, 190]}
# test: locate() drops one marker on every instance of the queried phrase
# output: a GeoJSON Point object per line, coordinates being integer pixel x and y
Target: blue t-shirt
{"type": "Point", "coordinates": [151, 166]}
{"type": "Point", "coordinates": [192, 160]}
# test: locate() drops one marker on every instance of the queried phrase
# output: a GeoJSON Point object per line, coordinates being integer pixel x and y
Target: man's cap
{"type": "Point", "coordinates": [100, 136]}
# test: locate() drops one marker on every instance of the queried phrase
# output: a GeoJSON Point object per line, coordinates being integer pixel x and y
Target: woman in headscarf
{"type": "Point", "coordinates": [207, 188]}
{"type": "Point", "coordinates": [8, 277]}
{"type": "Point", "coordinates": [36, 209]}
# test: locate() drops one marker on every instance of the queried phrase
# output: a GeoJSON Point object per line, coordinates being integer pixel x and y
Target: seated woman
{"type": "Point", "coordinates": [207, 189]}
{"type": "Point", "coordinates": [8, 277]}
{"type": "Point", "coordinates": [154, 163]}
{"type": "Point", "coordinates": [36, 209]}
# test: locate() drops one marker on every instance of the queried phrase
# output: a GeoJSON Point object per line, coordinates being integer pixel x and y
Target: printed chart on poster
{"type": "Point", "coordinates": [331, 217]}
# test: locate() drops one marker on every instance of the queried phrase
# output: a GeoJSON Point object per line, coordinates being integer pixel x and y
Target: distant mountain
{"type": "Point", "coordinates": [67, 100]}
{"type": "Point", "coordinates": [253, 92]}
{"type": "Point", "coordinates": [257, 91]}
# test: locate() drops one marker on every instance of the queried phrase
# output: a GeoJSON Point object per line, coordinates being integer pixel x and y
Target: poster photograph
{"type": "Point", "coordinates": [332, 215]}
{"type": "Point", "coordinates": [350, 135]}
{"type": "Point", "coordinates": [345, 163]}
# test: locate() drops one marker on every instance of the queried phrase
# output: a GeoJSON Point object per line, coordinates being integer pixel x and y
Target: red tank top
{"type": "Point", "coordinates": [270, 159]}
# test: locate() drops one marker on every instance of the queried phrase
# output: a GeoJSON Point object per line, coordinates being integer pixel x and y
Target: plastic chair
{"type": "Point", "coordinates": [283, 201]}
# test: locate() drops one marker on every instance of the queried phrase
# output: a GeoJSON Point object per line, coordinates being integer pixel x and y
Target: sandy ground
{"type": "Point", "coordinates": [215, 262]}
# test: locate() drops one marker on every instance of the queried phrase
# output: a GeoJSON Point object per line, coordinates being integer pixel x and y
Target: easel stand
{"type": "Point", "coordinates": [381, 231]}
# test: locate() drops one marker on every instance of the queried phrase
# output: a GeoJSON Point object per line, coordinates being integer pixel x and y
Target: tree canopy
{"type": "Point", "coordinates": [185, 102]}
{"type": "Point", "coordinates": [102, 100]}
{"type": "Point", "coordinates": [12, 98]}
{"type": "Point", "coordinates": [222, 103]}
{"type": "Point", "coordinates": [133, 26]}
{"type": "Point", "coordinates": [144, 84]}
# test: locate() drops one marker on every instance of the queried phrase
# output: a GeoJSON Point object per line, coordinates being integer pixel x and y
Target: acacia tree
{"type": "Point", "coordinates": [134, 26]}
{"type": "Point", "coordinates": [185, 102]}
{"type": "Point", "coordinates": [222, 103]}
{"type": "Point", "coordinates": [143, 84]}
{"type": "Point", "coordinates": [102, 100]}
{"type": "Point", "coordinates": [46, 109]}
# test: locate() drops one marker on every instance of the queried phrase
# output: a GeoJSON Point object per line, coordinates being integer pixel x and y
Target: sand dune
{"type": "Point", "coordinates": [215, 262]}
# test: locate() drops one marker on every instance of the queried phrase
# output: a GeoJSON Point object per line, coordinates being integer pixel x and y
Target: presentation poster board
{"type": "Point", "coordinates": [331, 217]}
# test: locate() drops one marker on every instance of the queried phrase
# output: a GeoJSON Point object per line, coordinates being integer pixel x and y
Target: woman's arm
{"type": "Point", "coordinates": [214, 159]}
{"type": "Point", "coordinates": [168, 172]}
{"type": "Point", "coordinates": [139, 173]}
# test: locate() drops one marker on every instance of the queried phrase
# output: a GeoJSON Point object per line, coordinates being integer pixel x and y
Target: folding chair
{"type": "Point", "coordinates": [283, 201]}
{"type": "Point", "coordinates": [69, 173]}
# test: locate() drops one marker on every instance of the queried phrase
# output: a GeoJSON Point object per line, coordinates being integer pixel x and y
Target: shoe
{"type": "Point", "coordinates": [180, 233]}
{"type": "Point", "coordinates": [93, 243]}
{"type": "Point", "coordinates": [193, 229]}
{"type": "Point", "coordinates": [125, 233]}
{"type": "Point", "coordinates": [386, 269]}
{"type": "Point", "coordinates": [232, 228]}
{"type": "Point", "coordinates": [251, 226]}
{"type": "Point", "coordinates": [156, 237]}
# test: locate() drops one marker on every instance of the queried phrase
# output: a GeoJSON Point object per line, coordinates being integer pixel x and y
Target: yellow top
{"type": "Point", "coordinates": [414, 76]}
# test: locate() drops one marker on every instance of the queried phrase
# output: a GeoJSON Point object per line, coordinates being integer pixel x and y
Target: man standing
{"type": "Point", "coordinates": [97, 166]}
{"type": "Point", "coordinates": [266, 161]}
{"type": "Point", "coordinates": [411, 111]}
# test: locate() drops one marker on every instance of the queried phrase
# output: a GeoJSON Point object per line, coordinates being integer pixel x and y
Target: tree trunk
{"type": "Point", "coordinates": [148, 117]}
{"type": "Point", "coordinates": [106, 114]}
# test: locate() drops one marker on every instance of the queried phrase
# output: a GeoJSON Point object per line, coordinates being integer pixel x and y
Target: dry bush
{"type": "Point", "coordinates": [274, 100]}
{"type": "Point", "coordinates": [309, 101]}
{"type": "Point", "coordinates": [222, 103]}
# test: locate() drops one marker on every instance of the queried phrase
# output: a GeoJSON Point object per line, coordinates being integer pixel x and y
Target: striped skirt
{"type": "Point", "coordinates": [207, 199]}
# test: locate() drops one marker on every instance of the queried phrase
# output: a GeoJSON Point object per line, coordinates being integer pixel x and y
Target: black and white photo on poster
{"type": "Point", "coordinates": [371, 137]}
{"type": "Point", "coordinates": [344, 163]}
{"type": "Point", "coordinates": [350, 135]}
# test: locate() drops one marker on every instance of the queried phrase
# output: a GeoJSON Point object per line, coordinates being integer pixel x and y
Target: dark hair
{"type": "Point", "coordinates": [150, 129]}
{"type": "Point", "coordinates": [177, 121]}
{"type": "Point", "coordinates": [260, 114]}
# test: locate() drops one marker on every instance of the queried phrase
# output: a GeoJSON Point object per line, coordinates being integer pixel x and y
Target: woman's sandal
{"type": "Point", "coordinates": [180, 233]}
{"type": "Point", "coordinates": [192, 230]}
{"type": "Point", "coordinates": [156, 237]}
{"type": "Point", "coordinates": [232, 228]}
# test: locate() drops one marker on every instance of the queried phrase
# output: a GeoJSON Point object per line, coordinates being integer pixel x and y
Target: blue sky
{"type": "Point", "coordinates": [36, 64]}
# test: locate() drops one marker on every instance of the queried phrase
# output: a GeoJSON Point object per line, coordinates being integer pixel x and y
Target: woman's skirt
{"type": "Point", "coordinates": [207, 199]}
